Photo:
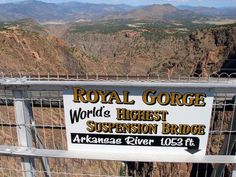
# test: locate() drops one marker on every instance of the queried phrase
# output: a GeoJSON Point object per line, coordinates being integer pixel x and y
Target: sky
{"type": "Point", "coordinates": [209, 3]}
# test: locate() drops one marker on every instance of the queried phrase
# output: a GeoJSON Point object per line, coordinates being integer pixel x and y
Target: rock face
{"type": "Point", "coordinates": [200, 53]}
{"type": "Point", "coordinates": [217, 47]}
{"type": "Point", "coordinates": [32, 53]}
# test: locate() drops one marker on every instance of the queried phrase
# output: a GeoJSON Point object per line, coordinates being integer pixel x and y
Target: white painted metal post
{"type": "Point", "coordinates": [24, 134]}
{"type": "Point", "coordinates": [234, 170]}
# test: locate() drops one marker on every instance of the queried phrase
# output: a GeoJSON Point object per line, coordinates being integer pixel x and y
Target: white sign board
{"type": "Point", "coordinates": [167, 121]}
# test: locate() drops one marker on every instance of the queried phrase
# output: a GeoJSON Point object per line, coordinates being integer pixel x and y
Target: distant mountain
{"type": "Point", "coordinates": [156, 12]}
{"type": "Point", "coordinates": [228, 12]}
{"type": "Point", "coordinates": [31, 9]}
{"type": "Point", "coordinates": [168, 11]}
{"type": "Point", "coordinates": [149, 12]}
{"type": "Point", "coordinates": [64, 12]}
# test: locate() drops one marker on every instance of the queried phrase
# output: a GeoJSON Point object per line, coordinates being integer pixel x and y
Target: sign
{"type": "Point", "coordinates": [167, 121]}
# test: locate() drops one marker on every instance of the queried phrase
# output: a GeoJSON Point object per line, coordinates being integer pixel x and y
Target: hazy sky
{"type": "Point", "coordinates": [215, 3]}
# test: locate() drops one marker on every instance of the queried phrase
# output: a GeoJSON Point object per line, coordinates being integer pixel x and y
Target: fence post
{"type": "Point", "coordinates": [234, 170]}
{"type": "Point", "coordinates": [24, 134]}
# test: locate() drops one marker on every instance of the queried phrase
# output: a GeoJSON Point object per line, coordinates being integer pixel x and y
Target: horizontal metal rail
{"type": "Point", "coordinates": [13, 84]}
{"type": "Point", "coordinates": [104, 155]}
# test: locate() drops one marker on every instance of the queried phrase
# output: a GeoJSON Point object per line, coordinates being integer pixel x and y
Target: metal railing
{"type": "Point", "coordinates": [33, 134]}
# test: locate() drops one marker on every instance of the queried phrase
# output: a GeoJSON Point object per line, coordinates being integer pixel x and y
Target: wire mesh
{"type": "Point", "coordinates": [120, 77]}
{"type": "Point", "coordinates": [48, 130]}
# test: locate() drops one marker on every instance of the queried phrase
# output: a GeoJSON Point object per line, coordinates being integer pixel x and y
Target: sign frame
{"type": "Point", "coordinates": [135, 93]}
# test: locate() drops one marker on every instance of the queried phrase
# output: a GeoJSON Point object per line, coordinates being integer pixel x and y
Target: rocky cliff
{"type": "Point", "coordinates": [201, 52]}
{"type": "Point", "coordinates": [31, 52]}
{"type": "Point", "coordinates": [198, 53]}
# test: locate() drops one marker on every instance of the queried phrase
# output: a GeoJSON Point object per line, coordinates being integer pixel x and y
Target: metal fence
{"type": "Point", "coordinates": [33, 134]}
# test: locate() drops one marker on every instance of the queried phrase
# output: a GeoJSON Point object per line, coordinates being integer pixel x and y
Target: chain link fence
{"type": "Point", "coordinates": [33, 135]}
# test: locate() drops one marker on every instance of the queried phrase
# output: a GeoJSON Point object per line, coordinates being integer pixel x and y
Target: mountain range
{"type": "Point", "coordinates": [77, 12]}
{"type": "Point", "coordinates": [71, 11]}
